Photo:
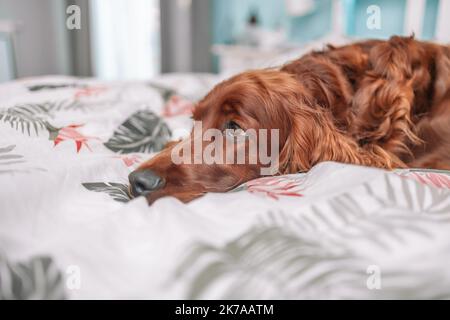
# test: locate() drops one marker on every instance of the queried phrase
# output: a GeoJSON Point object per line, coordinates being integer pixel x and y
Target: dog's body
{"type": "Point", "coordinates": [394, 94]}
{"type": "Point", "coordinates": [378, 103]}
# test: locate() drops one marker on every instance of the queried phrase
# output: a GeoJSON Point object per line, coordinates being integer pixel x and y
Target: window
{"type": "Point", "coordinates": [125, 39]}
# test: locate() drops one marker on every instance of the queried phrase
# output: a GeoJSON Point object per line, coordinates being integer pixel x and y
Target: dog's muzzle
{"type": "Point", "coordinates": [143, 182]}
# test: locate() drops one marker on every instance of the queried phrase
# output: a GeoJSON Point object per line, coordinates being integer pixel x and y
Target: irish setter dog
{"type": "Point", "coordinates": [376, 103]}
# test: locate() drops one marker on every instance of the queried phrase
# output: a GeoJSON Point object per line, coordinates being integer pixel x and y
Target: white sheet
{"type": "Point", "coordinates": [339, 231]}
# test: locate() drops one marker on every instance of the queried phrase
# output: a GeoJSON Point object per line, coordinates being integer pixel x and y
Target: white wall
{"type": "Point", "coordinates": [41, 43]}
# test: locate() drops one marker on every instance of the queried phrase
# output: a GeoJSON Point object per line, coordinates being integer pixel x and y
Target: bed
{"type": "Point", "coordinates": [69, 230]}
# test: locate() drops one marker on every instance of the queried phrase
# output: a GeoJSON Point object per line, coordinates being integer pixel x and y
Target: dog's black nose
{"type": "Point", "coordinates": [143, 182]}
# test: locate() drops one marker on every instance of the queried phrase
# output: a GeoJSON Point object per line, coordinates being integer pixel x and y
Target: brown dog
{"type": "Point", "coordinates": [377, 103]}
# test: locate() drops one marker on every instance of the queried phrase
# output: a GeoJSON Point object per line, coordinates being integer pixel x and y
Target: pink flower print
{"type": "Point", "coordinates": [88, 92]}
{"type": "Point", "coordinates": [130, 160]}
{"type": "Point", "coordinates": [438, 180]}
{"type": "Point", "coordinates": [274, 187]}
{"type": "Point", "coordinates": [177, 106]}
{"type": "Point", "coordinates": [71, 132]}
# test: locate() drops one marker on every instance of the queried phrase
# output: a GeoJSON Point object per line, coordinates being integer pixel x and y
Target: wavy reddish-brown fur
{"type": "Point", "coordinates": [377, 103]}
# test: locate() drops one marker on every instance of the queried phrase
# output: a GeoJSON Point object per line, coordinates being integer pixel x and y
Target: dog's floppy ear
{"type": "Point", "coordinates": [326, 85]}
{"type": "Point", "coordinates": [295, 155]}
{"type": "Point", "coordinates": [314, 138]}
{"type": "Point", "coordinates": [171, 143]}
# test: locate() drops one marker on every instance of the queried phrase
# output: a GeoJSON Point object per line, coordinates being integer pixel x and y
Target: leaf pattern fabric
{"type": "Point", "coordinates": [297, 256]}
{"type": "Point", "coordinates": [67, 146]}
{"type": "Point", "coordinates": [11, 162]}
{"type": "Point", "coordinates": [35, 279]}
{"type": "Point", "coordinates": [32, 117]}
{"type": "Point", "coordinates": [117, 191]}
{"type": "Point", "coordinates": [435, 178]}
{"type": "Point", "coordinates": [144, 132]}
{"type": "Point", "coordinates": [51, 86]}
{"type": "Point", "coordinates": [275, 187]}
{"type": "Point", "coordinates": [6, 157]}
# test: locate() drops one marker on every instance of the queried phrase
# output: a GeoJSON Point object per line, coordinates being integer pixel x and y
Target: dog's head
{"type": "Point", "coordinates": [256, 123]}
{"type": "Point", "coordinates": [227, 145]}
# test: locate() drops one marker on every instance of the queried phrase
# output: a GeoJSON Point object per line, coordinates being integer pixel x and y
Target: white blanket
{"type": "Point", "coordinates": [69, 230]}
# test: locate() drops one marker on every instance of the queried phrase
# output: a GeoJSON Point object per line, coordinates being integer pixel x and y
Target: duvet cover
{"type": "Point", "coordinates": [69, 230]}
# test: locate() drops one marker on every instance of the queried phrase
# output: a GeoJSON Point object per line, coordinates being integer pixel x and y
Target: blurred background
{"type": "Point", "coordinates": [139, 39]}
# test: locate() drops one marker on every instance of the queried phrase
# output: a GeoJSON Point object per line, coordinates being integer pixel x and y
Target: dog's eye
{"type": "Point", "coordinates": [232, 129]}
{"type": "Point", "coordinates": [232, 125]}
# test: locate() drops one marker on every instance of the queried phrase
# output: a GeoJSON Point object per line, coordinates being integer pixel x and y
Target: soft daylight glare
{"type": "Point", "coordinates": [125, 39]}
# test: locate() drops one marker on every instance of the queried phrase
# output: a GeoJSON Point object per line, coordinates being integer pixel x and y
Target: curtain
{"type": "Point", "coordinates": [125, 38]}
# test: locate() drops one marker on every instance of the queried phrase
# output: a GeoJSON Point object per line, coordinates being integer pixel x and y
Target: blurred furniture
{"type": "Point", "coordinates": [237, 58]}
{"type": "Point", "coordinates": [309, 25]}
{"type": "Point", "coordinates": [8, 67]}
{"type": "Point", "coordinates": [271, 47]}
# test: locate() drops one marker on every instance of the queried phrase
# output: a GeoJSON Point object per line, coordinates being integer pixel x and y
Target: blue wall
{"type": "Point", "coordinates": [430, 18]}
{"type": "Point", "coordinates": [392, 18]}
{"type": "Point", "coordinates": [313, 25]}
{"type": "Point", "coordinates": [229, 17]}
